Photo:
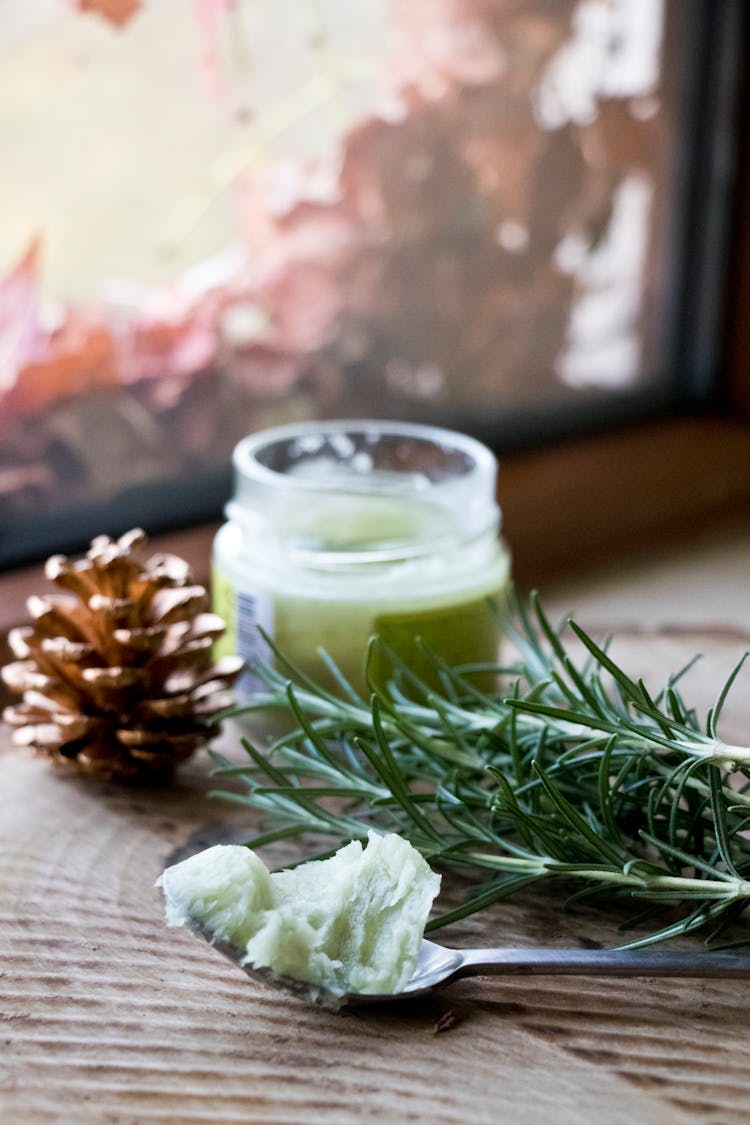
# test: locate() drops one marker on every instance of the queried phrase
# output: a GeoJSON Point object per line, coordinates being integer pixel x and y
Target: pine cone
{"type": "Point", "coordinates": [116, 674]}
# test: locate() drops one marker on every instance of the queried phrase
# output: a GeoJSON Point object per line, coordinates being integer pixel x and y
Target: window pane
{"type": "Point", "coordinates": [234, 213]}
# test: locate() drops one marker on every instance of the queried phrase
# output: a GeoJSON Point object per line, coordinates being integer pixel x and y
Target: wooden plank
{"type": "Point", "coordinates": [617, 495]}
{"type": "Point", "coordinates": [108, 1017]}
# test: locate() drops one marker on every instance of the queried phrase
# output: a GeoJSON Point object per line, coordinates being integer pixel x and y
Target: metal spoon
{"type": "Point", "coordinates": [438, 965]}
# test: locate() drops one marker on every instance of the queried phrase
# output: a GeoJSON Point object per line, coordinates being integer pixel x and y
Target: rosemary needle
{"type": "Point", "coordinates": [572, 770]}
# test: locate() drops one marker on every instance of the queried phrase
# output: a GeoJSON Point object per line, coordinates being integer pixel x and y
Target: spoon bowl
{"type": "Point", "coordinates": [439, 965]}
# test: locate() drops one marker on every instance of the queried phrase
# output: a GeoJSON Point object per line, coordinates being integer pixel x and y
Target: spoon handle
{"type": "Point", "coordinates": [601, 962]}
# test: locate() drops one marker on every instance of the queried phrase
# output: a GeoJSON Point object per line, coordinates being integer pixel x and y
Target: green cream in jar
{"type": "Point", "coordinates": [341, 530]}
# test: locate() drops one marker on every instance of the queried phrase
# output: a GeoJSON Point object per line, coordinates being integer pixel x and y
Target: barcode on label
{"type": "Point", "coordinates": [252, 610]}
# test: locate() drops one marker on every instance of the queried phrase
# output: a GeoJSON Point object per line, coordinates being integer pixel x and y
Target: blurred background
{"type": "Point", "coordinates": [511, 217]}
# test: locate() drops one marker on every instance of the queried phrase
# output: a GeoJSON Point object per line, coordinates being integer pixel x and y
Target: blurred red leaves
{"type": "Point", "coordinates": [20, 330]}
{"type": "Point", "coordinates": [419, 273]}
{"type": "Point", "coordinates": [88, 350]}
{"type": "Point", "coordinates": [117, 12]}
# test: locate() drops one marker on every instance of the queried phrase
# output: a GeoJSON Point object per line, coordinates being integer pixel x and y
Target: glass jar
{"type": "Point", "coordinates": [343, 529]}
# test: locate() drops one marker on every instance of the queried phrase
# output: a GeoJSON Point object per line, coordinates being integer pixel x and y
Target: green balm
{"type": "Point", "coordinates": [351, 923]}
{"type": "Point", "coordinates": [341, 530]}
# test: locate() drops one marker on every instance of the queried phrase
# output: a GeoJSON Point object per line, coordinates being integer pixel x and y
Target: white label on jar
{"type": "Point", "coordinates": [253, 610]}
{"type": "Point", "coordinates": [243, 611]}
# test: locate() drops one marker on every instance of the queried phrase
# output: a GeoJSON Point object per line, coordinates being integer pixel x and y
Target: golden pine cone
{"type": "Point", "coordinates": [116, 674]}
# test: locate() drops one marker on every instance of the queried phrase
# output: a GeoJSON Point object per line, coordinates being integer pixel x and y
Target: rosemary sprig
{"type": "Point", "coordinates": [573, 770]}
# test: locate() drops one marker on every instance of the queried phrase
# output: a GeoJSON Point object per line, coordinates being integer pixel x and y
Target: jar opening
{"type": "Point", "coordinates": [365, 459]}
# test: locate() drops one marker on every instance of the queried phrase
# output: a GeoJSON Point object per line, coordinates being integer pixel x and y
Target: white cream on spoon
{"type": "Point", "coordinates": [352, 923]}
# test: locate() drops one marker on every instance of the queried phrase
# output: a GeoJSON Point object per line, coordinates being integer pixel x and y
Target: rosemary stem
{"type": "Point", "coordinates": [534, 866]}
{"type": "Point", "coordinates": [708, 888]}
{"type": "Point", "coordinates": [719, 753]}
{"type": "Point", "coordinates": [714, 751]}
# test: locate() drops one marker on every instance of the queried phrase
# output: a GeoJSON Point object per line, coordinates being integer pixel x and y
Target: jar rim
{"type": "Point", "coordinates": [481, 462]}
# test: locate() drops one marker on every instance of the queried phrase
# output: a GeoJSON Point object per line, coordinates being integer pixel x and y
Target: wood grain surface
{"type": "Point", "coordinates": [108, 1017]}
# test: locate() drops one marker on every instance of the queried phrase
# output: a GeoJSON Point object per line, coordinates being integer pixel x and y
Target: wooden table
{"type": "Point", "coordinates": [108, 1017]}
